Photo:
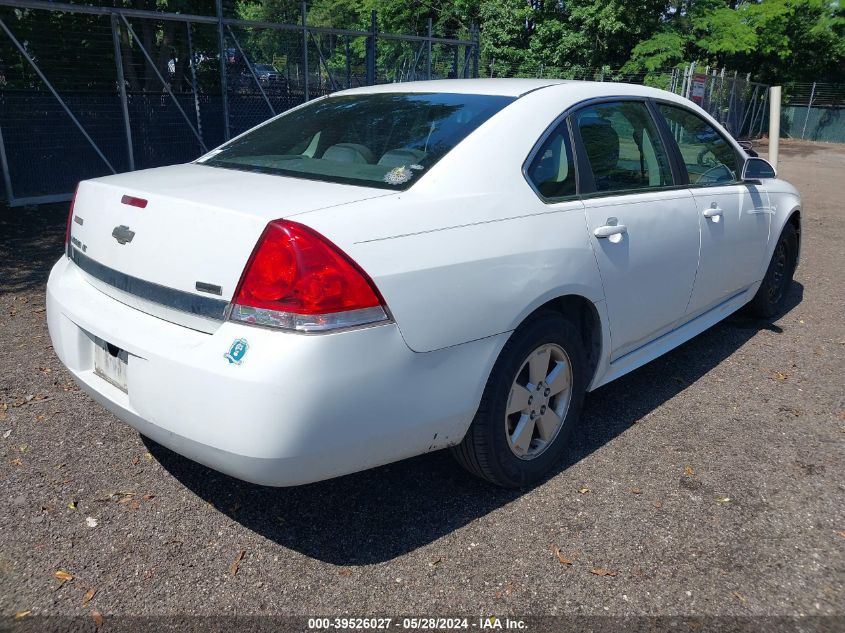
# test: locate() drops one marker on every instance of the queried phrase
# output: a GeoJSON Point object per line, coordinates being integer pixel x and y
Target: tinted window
{"type": "Point", "coordinates": [709, 158]}
{"type": "Point", "coordinates": [377, 140]}
{"type": "Point", "coordinates": [623, 147]}
{"type": "Point", "coordinates": [552, 170]}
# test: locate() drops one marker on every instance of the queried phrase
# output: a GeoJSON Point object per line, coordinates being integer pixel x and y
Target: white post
{"type": "Point", "coordinates": [689, 83]}
{"type": "Point", "coordinates": [774, 124]}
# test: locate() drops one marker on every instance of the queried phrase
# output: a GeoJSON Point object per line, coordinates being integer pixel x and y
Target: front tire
{"type": "Point", "coordinates": [774, 288]}
{"type": "Point", "coordinates": [531, 404]}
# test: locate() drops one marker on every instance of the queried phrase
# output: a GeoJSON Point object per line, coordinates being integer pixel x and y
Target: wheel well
{"type": "Point", "coordinates": [795, 220]}
{"type": "Point", "coordinates": [584, 316]}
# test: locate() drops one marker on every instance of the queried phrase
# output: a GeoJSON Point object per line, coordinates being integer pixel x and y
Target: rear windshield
{"type": "Point", "coordinates": [376, 140]}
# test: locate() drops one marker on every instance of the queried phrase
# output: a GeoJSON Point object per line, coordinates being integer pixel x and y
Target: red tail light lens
{"type": "Point", "coordinates": [132, 201]}
{"type": "Point", "coordinates": [70, 222]}
{"type": "Point", "coordinates": [297, 279]}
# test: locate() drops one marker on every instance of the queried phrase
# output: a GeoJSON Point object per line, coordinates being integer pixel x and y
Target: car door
{"type": "Point", "coordinates": [734, 215]}
{"type": "Point", "coordinates": [643, 228]}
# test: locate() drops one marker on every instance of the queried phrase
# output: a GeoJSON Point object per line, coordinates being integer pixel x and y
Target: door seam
{"type": "Point", "coordinates": [698, 264]}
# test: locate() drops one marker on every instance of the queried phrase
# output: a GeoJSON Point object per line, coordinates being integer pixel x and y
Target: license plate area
{"type": "Point", "coordinates": [110, 363]}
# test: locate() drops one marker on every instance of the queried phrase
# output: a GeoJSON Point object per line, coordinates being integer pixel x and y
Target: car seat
{"type": "Point", "coordinates": [602, 144]}
{"type": "Point", "coordinates": [349, 153]}
{"type": "Point", "coordinates": [400, 157]}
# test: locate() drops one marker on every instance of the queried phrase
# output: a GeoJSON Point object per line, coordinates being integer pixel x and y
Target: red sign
{"type": "Point", "coordinates": [699, 82]}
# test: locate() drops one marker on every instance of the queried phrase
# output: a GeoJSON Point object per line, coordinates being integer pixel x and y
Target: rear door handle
{"type": "Point", "coordinates": [713, 212]}
{"type": "Point", "coordinates": [611, 228]}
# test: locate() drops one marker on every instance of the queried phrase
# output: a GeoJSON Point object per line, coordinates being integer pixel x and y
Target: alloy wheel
{"type": "Point", "coordinates": [538, 401]}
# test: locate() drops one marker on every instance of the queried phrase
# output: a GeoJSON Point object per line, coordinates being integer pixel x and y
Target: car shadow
{"type": "Point", "coordinates": [32, 243]}
{"type": "Point", "coordinates": [377, 515]}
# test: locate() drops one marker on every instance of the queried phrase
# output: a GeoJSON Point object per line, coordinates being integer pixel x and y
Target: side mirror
{"type": "Point", "coordinates": [757, 168]}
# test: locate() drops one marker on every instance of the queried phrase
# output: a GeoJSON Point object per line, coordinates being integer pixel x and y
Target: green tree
{"type": "Point", "coordinates": [774, 40]}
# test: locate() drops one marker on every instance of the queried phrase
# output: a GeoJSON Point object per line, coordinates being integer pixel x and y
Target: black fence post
{"type": "Point", "coordinates": [224, 88]}
{"type": "Point", "coordinates": [371, 50]}
{"type": "Point", "coordinates": [193, 68]}
{"type": "Point", "coordinates": [476, 49]}
{"type": "Point", "coordinates": [348, 64]}
{"type": "Point", "coordinates": [428, 50]}
{"type": "Point", "coordinates": [304, 10]}
{"type": "Point", "coordinates": [121, 88]}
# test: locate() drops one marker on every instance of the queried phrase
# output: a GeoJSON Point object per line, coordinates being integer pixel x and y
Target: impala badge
{"type": "Point", "coordinates": [122, 234]}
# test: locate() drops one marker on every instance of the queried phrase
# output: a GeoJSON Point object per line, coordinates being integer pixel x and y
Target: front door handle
{"type": "Point", "coordinates": [713, 212]}
{"type": "Point", "coordinates": [611, 228]}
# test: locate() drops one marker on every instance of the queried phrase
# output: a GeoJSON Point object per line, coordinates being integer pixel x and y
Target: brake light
{"type": "Point", "coordinates": [70, 222]}
{"type": "Point", "coordinates": [132, 201]}
{"type": "Point", "coordinates": [297, 279]}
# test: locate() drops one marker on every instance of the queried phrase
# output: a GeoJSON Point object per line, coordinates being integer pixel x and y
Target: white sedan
{"type": "Point", "coordinates": [397, 269]}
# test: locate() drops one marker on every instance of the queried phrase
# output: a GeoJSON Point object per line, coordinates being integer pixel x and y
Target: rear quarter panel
{"type": "Point", "coordinates": [449, 286]}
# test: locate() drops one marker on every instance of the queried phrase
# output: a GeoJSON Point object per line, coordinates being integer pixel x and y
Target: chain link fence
{"type": "Point", "coordinates": [88, 91]}
{"type": "Point", "coordinates": [79, 134]}
{"type": "Point", "coordinates": [814, 111]}
{"type": "Point", "coordinates": [739, 104]}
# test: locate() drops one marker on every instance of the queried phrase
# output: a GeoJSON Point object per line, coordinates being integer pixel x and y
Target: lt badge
{"type": "Point", "coordinates": [237, 351]}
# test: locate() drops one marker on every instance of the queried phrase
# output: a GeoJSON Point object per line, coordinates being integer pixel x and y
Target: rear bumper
{"type": "Point", "coordinates": [298, 409]}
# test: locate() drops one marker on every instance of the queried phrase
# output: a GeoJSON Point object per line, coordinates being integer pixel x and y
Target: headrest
{"type": "Point", "coordinates": [602, 144]}
{"type": "Point", "coordinates": [400, 157]}
{"type": "Point", "coordinates": [348, 153]}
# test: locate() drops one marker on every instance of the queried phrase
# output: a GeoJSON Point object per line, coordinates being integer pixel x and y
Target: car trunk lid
{"type": "Point", "coordinates": [174, 241]}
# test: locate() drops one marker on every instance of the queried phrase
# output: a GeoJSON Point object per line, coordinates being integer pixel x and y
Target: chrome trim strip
{"type": "Point", "coordinates": [309, 323]}
{"type": "Point", "coordinates": [176, 299]}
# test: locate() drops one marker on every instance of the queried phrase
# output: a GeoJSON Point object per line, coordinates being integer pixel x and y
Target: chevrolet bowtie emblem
{"type": "Point", "coordinates": [122, 234]}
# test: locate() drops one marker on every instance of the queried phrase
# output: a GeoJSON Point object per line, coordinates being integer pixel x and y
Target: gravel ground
{"type": "Point", "coordinates": [706, 483]}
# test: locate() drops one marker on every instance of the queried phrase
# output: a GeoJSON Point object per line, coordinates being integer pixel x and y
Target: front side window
{"type": "Point", "coordinates": [374, 140]}
{"type": "Point", "coordinates": [552, 171]}
{"type": "Point", "coordinates": [623, 147]}
{"type": "Point", "coordinates": [709, 157]}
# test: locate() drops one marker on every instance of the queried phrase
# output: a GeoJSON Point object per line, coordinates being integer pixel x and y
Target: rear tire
{"type": "Point", "coordinates": [774, 288]}
{"type": "Point", "coordinates": [496, 447]}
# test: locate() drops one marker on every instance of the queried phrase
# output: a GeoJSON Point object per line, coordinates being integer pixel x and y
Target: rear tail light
{"type": "Point", "coordinates": [296, 279]}
{"type": "Point", "coordinates": [70, 223]}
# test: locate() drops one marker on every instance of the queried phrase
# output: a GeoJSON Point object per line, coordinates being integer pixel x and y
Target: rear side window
{"type": "Point", "coordinates": [552, 171]}
{"type": "Point", "coordinates": [709, 157]}
{"type": "Point", "coordinates": [623, 147]}
{"type": "Point", "coordinates": [375, 140]}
